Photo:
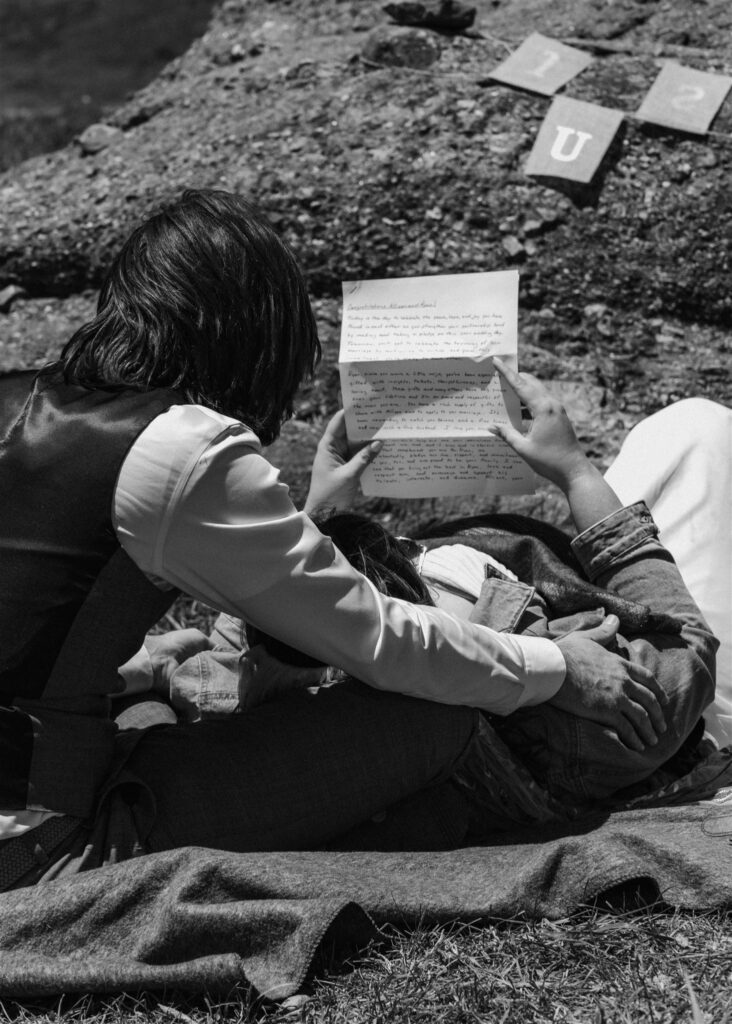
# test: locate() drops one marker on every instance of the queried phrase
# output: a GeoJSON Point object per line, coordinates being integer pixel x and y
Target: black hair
{"type": "Point", "coordinates": [379, 555]}
{"type": "Point", "coordinates": [204, 297]}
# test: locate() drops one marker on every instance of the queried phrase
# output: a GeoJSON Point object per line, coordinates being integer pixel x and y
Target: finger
{"type": "Point", "coordinates": [627, 734]}
{"type": "Point", "coordinates": [605, 632]}
{"type": "Point", "coordinates": [335, 431]}
{"type": "Point", "coordinates": [363, 458]}
{"type": "Point", "coordinates": [646, 678]}
{"type": "Point", "coordinates": [648, 700]}
{"type": "Point", "coordinates": [514, 438]}
{"type": "Point", "coordinates": [526, 386]}
{"type": "Point", "coordinates": [640, 720]}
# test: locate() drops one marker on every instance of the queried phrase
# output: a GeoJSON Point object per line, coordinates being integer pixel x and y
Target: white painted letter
{"type": "Point", "coordinates": [551, 59]}
{"type": "Point", "coordinates": [563, 135]}
{"type": "Point", "coordinates": [687, 97]}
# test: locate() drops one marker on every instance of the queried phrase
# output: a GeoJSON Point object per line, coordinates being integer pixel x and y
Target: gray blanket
{"type": "Point", "coordinates": [196, 918]}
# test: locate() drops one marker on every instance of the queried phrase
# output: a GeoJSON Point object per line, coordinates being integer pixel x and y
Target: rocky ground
{"type": "Point", "coordinates": [383, 151]}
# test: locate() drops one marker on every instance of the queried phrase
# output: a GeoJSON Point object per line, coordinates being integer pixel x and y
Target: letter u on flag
{"type": "Point", "coordinates": [573, 139]}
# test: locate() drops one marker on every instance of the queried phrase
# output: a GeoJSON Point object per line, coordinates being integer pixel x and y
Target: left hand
{"type": "Point", "coordinates": [605, 688]}
{"type": "Point", "coordinates": [335, 474]}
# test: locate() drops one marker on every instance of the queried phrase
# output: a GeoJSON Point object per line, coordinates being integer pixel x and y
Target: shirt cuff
{"type": "Point", "coordinates": [137, 674]}
{"type": "Point", "coordinates": [545, 670]}
{"type": "Point", "coordinates": [206, 686]}
{"type": "Point", "coordinates": [609, 540]}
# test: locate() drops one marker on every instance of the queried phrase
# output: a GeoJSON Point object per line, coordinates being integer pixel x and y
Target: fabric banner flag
{"type": "Point", "coordinates": [541, 65]}
{"type": "Point", "coordinates": [684, 98]}
{"type": "Point", "coordinates": [572, 140]}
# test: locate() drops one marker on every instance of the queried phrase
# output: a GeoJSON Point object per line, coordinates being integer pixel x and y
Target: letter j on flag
{"type": "Point", "coordinates": [572, 140]}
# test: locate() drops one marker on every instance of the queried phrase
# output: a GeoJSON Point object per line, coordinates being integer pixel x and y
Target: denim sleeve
{"type": "Point", "coordinates": [622, 553]}
{"type": "Point", "coordinates": [206, 686]}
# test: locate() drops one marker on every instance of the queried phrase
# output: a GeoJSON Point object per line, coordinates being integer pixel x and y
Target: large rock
{"type": "Point", "coordinates": [374, 172]}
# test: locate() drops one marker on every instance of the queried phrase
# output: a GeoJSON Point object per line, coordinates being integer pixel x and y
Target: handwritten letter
{"type": "Point", "coordinates": [441, 467]}
{"type": "Point", "coordinates": [417, 371]}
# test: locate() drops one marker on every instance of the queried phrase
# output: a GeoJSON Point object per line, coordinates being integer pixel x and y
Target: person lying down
{"type": "Point", "coordinates": [505, 779]}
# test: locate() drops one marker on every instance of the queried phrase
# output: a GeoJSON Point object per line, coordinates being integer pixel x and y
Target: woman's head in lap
{"type": "Point", "coordinates": [206, 298]}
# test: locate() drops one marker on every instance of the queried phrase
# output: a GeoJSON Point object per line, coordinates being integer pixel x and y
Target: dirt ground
{"type": "Point", "coordinates": [371, 167]}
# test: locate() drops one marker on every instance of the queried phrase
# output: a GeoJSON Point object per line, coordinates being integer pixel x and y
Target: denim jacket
{"type": "Point", "coordinates": [621, 561]}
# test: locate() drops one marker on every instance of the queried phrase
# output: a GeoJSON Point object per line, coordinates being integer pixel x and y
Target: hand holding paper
{"type": "Point", "coordinates": [417, 374]}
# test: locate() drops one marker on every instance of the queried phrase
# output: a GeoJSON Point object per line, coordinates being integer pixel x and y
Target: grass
{"type": "Point", "coordinates": [597, 967]}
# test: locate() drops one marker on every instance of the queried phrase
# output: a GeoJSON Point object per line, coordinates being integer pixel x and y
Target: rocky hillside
{"type": "Point", "coordinates": [381, 151]}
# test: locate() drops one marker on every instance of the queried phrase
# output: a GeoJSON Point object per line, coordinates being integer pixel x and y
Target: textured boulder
{"type": "Point", "coordinates": [373, 171]}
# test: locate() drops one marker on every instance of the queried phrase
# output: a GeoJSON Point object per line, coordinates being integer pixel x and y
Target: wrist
{"type": "Point", "coordinates": [577, 474]}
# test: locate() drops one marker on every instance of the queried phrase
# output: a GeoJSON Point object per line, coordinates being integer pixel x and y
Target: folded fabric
{"type": "Point", "coordinates": [197, 918]}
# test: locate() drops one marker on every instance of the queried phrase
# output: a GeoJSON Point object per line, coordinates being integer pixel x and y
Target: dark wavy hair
{"type": "Point", "coordinates": [205, 298]}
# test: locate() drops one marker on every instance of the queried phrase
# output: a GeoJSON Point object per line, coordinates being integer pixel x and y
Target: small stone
{"type": "Point", "coordinates": [707, 158]}
{"type": "Point", "coordinates": [394, 46]}
{"type": "Point", "coordinates": [681, 173]}
{"type": "Point", "coordinates": [8, 296]}
{"type": "Point", "coordinates": [237, 52]}
{"type": "Point", "coordinates": [97, 137]}
{"type": "Point", "coordinates": [512, 246]}
{"type": "Point", "coordinates": [547, 314]}
{"type": "Point", "coordinates": [530, 247]}
{"type": "Point", "coordinates": [434, 214]}
{"type": "Point", "coordinates": [595, 310]}
{"type": "Point", "coordinates": [533, 227]}
{"type": "Point", "coordinates": [295, 1002]}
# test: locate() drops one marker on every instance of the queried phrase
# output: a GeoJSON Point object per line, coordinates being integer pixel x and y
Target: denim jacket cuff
{"type": "Point", "coordinates": [606, 543]}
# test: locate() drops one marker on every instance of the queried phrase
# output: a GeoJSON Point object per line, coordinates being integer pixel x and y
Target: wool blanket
{"type": "Point", "coordinates": [196, 919]}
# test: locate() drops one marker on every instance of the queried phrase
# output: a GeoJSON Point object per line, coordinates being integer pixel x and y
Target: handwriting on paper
{"type": "Point", "coordinates": [436, 397]}
{"type": "Point", "coordinates": [422, 334]}
{"type": "Point", "coordinates": [440, 467]}
{"type": "Point", "coordinates": [425, 317]}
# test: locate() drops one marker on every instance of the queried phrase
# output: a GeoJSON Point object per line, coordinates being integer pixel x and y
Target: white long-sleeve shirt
{"type": "Point", "coordinates": [198, 507]}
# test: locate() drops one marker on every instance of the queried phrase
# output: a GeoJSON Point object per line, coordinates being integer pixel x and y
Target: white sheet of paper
{"type": "Point", "coordinates": [416, 368]}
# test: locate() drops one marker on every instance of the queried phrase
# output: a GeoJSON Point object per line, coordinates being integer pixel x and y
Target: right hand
{"type": "Point", "coordinates": [550, 447]}
{"type": "Point", "coordinates": [605, 688]}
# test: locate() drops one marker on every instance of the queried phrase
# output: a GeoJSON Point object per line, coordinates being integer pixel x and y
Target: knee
{"type": "Point", "coordinates": [693, 417]}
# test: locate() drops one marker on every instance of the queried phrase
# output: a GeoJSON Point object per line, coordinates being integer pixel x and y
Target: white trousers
{"type": "Point", "coordinates": [679, 461]}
